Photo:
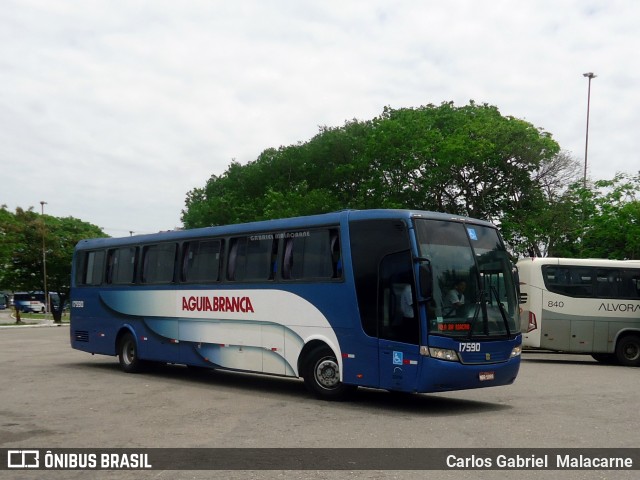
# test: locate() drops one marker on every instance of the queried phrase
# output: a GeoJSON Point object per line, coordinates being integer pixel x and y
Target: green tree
{"type": "Point", "coordinates": [612, 230]}
{"type": "Point", "coordinates": [8, 229]}
{"type": "Point", "coordinates": [601, 220]}
{"type": "Point", "coordinates": [467, 160]}
{"type": "Point", "coordinates": [22, 253]}
{"type": "Point", "coordinates": [545, 220]}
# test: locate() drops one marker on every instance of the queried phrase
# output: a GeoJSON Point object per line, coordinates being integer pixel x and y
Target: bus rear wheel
{"type": "Point", "coordinates": [628, 350]}
{"type": "Point", "coordinates": [128, 354]}
{"type": "Point", "coordinates": [322, 375]}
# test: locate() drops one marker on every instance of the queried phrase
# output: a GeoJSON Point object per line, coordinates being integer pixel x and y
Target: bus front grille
{"type": "Point", "coordinates": [82, 335]}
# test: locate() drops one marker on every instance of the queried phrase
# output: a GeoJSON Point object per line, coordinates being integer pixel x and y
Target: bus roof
{"type": "Point", "coordinates": [333, 218]}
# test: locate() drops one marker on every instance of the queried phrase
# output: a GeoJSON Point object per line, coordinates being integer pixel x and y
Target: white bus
{"type": "Point", "coordinates": [582, 306]}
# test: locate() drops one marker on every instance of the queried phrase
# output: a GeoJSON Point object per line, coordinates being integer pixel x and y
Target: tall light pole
{"type": "Point", "coordinates": [44, 262]}
{"type": "Point", "coordinates": [590, 76]}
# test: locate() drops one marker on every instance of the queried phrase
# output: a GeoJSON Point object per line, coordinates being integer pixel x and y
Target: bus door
{"type": "Point", "coordinates": [385, 287]}
{"type": "Point", "coordinates": [398, 323]}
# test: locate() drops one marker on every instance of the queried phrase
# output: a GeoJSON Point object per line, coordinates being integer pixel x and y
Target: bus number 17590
{"type": "Point", "coordinates": [470, 347]}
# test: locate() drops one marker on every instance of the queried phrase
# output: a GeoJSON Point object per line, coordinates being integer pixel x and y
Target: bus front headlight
{"type": "Point", "coordinates": [516, 351]}
{"type": "Point", "coordinates": [444, 354]}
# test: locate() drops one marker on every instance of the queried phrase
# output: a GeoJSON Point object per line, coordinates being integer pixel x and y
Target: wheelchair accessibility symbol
{"type": "Point", "coordinates": [397, 358]}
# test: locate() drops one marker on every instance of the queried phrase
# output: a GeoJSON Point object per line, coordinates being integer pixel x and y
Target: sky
{"type": "Point", "coordinates": [111, 111]}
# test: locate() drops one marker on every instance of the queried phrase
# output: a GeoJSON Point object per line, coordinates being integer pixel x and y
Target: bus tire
{"type": "Point", "coordinates": [322, 375]}
{"type": "Point", "coordinates": [128, 354]}
{"type": "Point", "coordinates": [628, 350]}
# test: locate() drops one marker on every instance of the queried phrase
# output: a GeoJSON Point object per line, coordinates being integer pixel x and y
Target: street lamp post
{"type": "Point", "coordinates": [44, 262]}
{"type": "Point", "coordinates": [590, 76]}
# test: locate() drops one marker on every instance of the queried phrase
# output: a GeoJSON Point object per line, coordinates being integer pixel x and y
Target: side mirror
{"type": "Point", "coordinates": [425, 275]}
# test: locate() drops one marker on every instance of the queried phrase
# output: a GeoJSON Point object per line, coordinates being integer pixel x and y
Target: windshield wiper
{"type": "Point", "coordinates": [476, 313]}
{"type": "Point", "coordinates": [503, 312]}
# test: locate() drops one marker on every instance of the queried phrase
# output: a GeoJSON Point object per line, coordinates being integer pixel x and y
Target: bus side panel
{"type": "Point", "coordinates": [592, 327]}
{"type": "Point", "coordinates": [582, 336]}
{"type": "Point", "coordinates": [360, 359]}
{"type": "Point", "coordinates": [562, 331]}
{"type": "Point", "coordinates": [603, 341]}
{"type": "Point", "coordinates": [90, 330]}
{"type": "Point", "coordinates": [273, 346]}
{"type": "Point", "coordinates": [155, 347]}
{"type": "Point", "coordinates": [88, 336]}
{"type": "Point", "coordinates": [248, 346]}
{"type": "Point", "coordinates": [555, 328]}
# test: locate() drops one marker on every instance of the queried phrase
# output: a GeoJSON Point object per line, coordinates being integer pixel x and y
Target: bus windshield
{"type": "Point", "coordinates": [473, 291]}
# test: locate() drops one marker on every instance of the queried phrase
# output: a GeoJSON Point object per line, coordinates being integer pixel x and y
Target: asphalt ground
{"type": "Point", "coordinates": [54, 397]}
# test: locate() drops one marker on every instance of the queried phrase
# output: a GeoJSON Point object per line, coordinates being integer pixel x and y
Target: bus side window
{"type": "Point", "coordinates": [201, 261]}
{"type": "Point", "coordinates": [92, 268]}
{"type": "Point", "coordinates": [557, 279]}
{"type": "Point", "coordinates": [336, 256]}
{"type": "Point", "coordinates": [582, 280]}
{"type": "Point", "coordinates": [231, 260]}
{"type": "Point", "coordinates": [121, 265]}
{"type": "Point", "coordinates": [608, 283]}
{"type": "Point", "coordinates": [573, 281]}
{"type": "Point", "coordinates": [112, 264]}
{"type": "Point", "coordinates": [312, 256]}
{"type": "Point", "coordinates": [633, 285]}
{"type": "Point", "coordinates": [158, 263]}
{"type": "Point", "coordinates": [251, 258]}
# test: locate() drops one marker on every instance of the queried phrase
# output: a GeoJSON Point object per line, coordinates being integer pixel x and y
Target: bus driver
{"type": "Point", "coordinates": [454, 302]}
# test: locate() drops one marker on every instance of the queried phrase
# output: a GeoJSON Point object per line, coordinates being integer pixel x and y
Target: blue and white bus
{"type": "Point", "coordinates": [345, 299]}
{"type": "Point", "coordinates": [29, 302]}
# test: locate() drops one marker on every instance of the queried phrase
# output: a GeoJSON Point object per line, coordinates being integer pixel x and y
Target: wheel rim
{"type": "Point", "coordinates": [327, 373]}
{"type": "Point", "coordinates": [631, 351]}
{"type": "Point", "coordinates": [129, 352]}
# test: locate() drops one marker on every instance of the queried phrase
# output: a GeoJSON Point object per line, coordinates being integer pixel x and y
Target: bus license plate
{"type": "Point", "coordinates": [486, 376]}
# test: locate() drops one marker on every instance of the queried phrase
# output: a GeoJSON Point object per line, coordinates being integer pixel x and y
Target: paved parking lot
{"type": "Point", "coordinates": [56, 397]}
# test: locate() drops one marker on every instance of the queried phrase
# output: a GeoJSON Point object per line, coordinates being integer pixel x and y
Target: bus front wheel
{"type": "Point", "coordinates": [322, 375]}
{"type": "Point", "coordinates": [128, 354]}
{"type": "Point", "coordinates": [628, 350]}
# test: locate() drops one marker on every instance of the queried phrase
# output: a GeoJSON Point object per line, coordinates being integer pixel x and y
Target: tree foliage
{"type": "Point", "coordinates": [21, 251]}
{"type": "Point", "coordinates": [616, 227]}
{"type": "Point", "coordinates": [611, 212]}
{"type": "Point", "coordinates": [543, 217]}
{"type": "Point", "coordinates": [468, 160]}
